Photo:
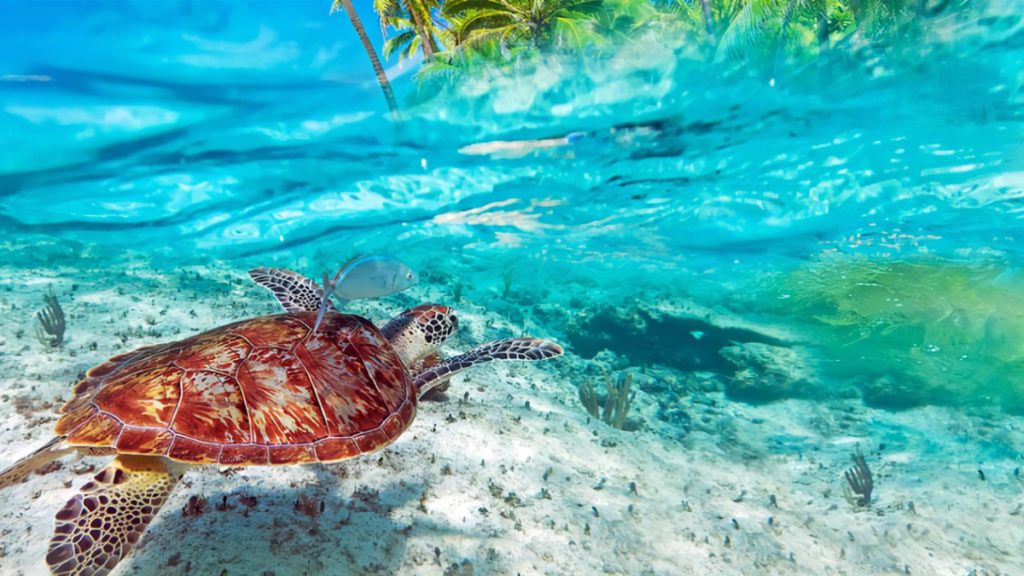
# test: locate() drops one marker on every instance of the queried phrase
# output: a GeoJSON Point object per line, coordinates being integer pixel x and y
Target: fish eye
{"type": "Point", "coordinates": [409, 275]}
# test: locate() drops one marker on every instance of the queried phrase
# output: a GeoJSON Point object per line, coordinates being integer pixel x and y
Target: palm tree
{"type": "Point", "coordinates": [512, 21]}
{"type": "Point", "coordinates": [382, 78]}
{"type": "Point", "coordinates": [763, 30]}
{"type": "Point", "coordinates": [708, 20]}
{"type": "Point", "coordinates": [817, 26]}
{"type": "Point", "coordinates": [429, 34]}
{"type": "Point", "coordinates": [398, 13]}
{"type": "Point", "coordinates": [626, 21]}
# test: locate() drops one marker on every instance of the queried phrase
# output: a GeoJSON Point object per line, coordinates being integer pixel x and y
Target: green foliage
{"type": "Point", "coordinates": [769, 37]}
{"type": "Point", "coordinates": [915, 331]}
{"type": "Point", "coordinates": [542, 23]}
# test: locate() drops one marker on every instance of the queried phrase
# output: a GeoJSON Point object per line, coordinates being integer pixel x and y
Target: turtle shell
{"type": "Point", "coordinates": [260, 391]}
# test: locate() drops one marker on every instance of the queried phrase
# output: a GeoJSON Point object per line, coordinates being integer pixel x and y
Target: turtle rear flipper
{"type": "Point", "coordinates": [295, 292]}
{"type": "Point", "coordinates": [22, 468]}
{"type": "Point", "coordinates": [99, 527]}
{"type": "Point", "coordinates": [527, 349]}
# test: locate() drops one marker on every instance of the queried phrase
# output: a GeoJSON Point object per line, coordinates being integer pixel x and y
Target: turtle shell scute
{"type": "Point", "coordinates": [244, 455]}
{"type": "Point", "coordinates": [224, 354]}
{"type": "Point", "coordinates": [212, 409]}
{"type": "Point", "coordinates": [280, 331]}
{"type": "Point", "coordinates": [137, 440]}
{"type": "Point", "coordinates": [99, 430]}
{"type": "Point", "coordinates": [146, 397]}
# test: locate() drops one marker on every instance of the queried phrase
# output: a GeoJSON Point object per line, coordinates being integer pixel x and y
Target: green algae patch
{"type": "Point", "coordinates": [913, 332]}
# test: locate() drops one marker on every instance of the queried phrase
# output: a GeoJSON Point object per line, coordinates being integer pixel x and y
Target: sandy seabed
{"type": "Point", "coordinates": [507, 473]}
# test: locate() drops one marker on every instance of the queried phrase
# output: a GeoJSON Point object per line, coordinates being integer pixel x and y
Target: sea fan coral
{"type": "Point", "coordinates": [859, 482]}
{"type": "Point", "coordinates": [50, 331]}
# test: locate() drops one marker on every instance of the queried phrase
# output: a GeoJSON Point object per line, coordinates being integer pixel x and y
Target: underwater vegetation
{"type": "Point", "coordinates": [916, 331]}
{"type": "Point", "coordinates": [859, 482]}
{"type": "Point", "coordinates": [616, 403]}
{"type": "Point", "coordinates": [50, 331]}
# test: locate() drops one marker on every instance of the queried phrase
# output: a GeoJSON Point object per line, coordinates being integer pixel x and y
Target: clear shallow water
{"type": "Point", "coordinates": [254, 134]}
{"type": "Point", "coordinates": [209, 126]}
{"type": "Point", "coordinates": [699, 199]}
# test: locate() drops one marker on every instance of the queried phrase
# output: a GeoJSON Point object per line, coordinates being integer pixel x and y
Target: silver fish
{"type": "Point", "coordinates": [366, 276]}
{"type": "Point", "coordinates": [372, 277]}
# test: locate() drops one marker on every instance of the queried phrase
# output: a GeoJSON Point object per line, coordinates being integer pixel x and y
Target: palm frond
{"type": "Point", "coordinates": [462, 6]}
{"type": "Point", "coordinates": [582, 7]}
{"type": "Point", "coordinates": [484, 21]}
{"type": "Point", "coordinates": [572, 29]}
{"type": "Point", "coordinates": [503, 35]}
{"type": "Point", "coordinates": [747, 30]}
{"type": "Point", "coordinates": [439, 69]}
{"type": "Point", "coordinates": [386, 8]}
{"type": "Point", "coordinates": [400, 43]}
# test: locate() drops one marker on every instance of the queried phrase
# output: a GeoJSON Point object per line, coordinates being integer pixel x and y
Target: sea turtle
{"type": "Point", "coordinates": [264, 391]}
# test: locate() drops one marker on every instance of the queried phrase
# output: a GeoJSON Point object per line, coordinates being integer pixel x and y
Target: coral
{"type": "Point", "coordinates": [465, 568]}
{"type": "Point", "coordinates": [24, 406]}
{"type": "Point", "coordinates": [859, 483]}
{"type": "Point", "coordinates": [312, 507]}
{"type": "Point", "coordinates": [195, 507]}
{"type": "Point", "coordinates": [506, 279]}
{"type": "Point", "coordinates": [765, 372]}
{"type": "Point", "coordinates": [589, 399]}
{"type": "Point", "coordinates": [616, 404]}
{"type": "Point", "coordinates": [456, 286]}
{"type": "Point", "coordinates": [51, 320]}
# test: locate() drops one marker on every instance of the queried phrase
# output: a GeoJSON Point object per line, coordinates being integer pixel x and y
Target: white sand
{"type": "Point", "coordinates": [472, 486]}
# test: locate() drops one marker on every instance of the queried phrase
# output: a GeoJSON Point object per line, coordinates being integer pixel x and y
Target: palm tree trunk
{"type": "Point", "coordinates": [382, 78]}
{"type": "Point", "coordinates": [425, 40]}
{"type": "Point", "coordinates": [823, 47]}
{"type": "Point", "coordinates": [786, 17]}
{"type": "Point", "coordinates": [709, 23]}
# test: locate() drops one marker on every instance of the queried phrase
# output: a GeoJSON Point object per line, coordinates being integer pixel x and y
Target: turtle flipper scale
{"type": "Point", "coordinates": [99, 527]}
{"type": "Point", "coordinates": [295, 292]}
{"type": "Point", "coordinates": [526, 349]}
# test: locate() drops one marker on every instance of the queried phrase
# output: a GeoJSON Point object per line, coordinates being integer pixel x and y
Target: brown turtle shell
{"type": "Point", "coordinates": [260, 391]}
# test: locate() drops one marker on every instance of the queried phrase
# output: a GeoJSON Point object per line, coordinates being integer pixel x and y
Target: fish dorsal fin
{"type": "Point", "coordinates": [295, 292]}
{"type": "Point", "coordinates": [325, 298]}
{"type": "Point", "coordinates": [339, 276]}
{"type": "Point", "coordinates": [328, 288]}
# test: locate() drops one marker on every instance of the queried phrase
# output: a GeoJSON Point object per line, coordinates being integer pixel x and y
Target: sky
{"type": "Point", "coordinates": [183, 40]}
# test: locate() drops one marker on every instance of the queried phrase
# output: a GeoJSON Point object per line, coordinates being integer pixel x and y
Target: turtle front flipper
{"type": "Point", "coordinates": [99, 527]}
{"type": "Point", "coordinates": [527, 349]}
{"type": "Point", "coordinates": [295, 292]}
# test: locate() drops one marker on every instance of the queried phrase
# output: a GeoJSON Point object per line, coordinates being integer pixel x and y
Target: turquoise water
{"type": "Point", "coordinates": [713, 231]}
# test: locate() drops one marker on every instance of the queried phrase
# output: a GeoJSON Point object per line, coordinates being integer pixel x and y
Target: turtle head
{"type": "Point", "coordinates": [418, 331]}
